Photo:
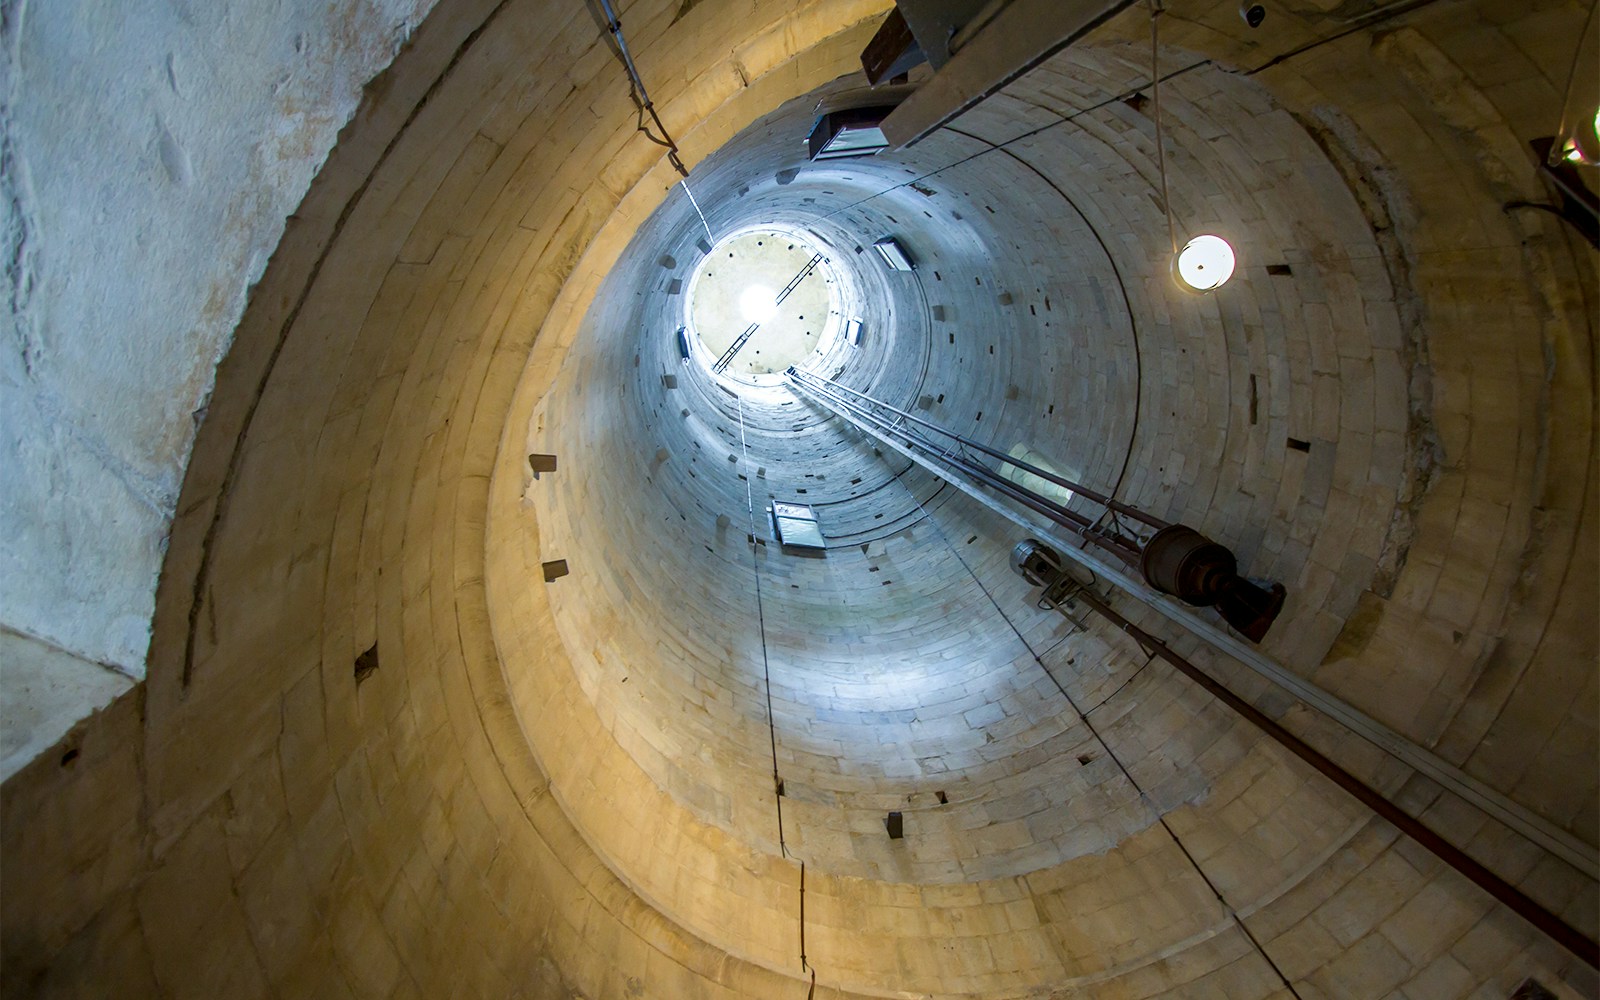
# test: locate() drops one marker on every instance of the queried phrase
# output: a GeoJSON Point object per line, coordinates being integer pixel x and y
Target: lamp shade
{"type": "Point", "coordinates": [1204, 263]}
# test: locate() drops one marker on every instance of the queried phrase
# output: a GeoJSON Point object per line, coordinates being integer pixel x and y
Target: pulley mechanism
{"type": "Point", "coordinates": [1180, 561]}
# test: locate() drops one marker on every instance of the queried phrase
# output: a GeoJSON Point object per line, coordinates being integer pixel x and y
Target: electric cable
{"type": "Point", "coordinates": [991, 147]}
{"type": "Point", "coordinates": [684, 182]}
{"type": "Point", "coordinates": [766, 673]}
{"type": "Point", "coordinates": [1150, 657]}
{"type": "Point", "coordinates": [761, 619]}
{"type": "Point", "coordinates": [1161, 146]}
{"type": "Point", "coordinates": [1370, 20]}
{"type": "Point", "coordinates": [1122, 287]}
{"type": "Point", "coordinates": [1227, 908]}
{"type": "Point", "coordinates": [641, 97]}
{"type": "Point", "coordinates": [644, 106]}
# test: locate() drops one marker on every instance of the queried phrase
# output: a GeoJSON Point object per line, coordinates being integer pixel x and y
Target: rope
{"type": "Point", "coordinates": [1161, 146]}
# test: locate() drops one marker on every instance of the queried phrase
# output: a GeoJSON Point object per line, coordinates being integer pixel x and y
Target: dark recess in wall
{"type": "Point", "coordinates": [366, 663]}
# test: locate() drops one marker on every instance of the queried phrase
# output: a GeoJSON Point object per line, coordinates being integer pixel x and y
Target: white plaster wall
{"type": "Point", "coordinates": [152, 151]}
{"type": "Point", "coordinates": [46, 691]}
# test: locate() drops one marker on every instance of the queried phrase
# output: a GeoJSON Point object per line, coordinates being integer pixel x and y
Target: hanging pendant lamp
{"type": "Point", "coordinates": [1205, 261]}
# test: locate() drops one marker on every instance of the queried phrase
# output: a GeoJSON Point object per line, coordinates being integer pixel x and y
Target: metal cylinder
{"type": "Point", "coordinates": [1036, 562]}
{"type": "Point", "coordinates": [1180, 561]}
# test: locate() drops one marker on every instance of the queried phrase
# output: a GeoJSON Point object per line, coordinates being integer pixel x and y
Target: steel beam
{"type": "Point", "coordinates": [1020, 36]}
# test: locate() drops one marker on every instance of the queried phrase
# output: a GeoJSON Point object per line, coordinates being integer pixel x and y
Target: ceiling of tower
{"type": "Point", "coordinates": [749, 298]}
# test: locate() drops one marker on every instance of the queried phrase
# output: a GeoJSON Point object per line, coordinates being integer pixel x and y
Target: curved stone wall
{"type": "Point", "coordinates": [492, 810]}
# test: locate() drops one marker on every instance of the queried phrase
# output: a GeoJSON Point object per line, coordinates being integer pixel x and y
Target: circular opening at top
{"type": "Point", "coordinates": [761, 301]}
{"type": "Point", "coordinates": [757, 304]}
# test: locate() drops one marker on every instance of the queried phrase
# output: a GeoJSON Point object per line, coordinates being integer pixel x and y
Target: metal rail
{"type": "Point", "coordinates": [1067, 518]}
{"type": "Point", "coordinates": [827, 385]}
{"type": "Point", "coordinates": [1468, 788]}
{"type": "Point", "coordinates": [1519, 902]}
{"type": "Point", "coordinates": [1513, 815]}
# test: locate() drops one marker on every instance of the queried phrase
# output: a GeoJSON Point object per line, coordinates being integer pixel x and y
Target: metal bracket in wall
{"type": "Point", "coordinates": [796, 526]}
{"type": "Point", "coordinates": [541, 464]}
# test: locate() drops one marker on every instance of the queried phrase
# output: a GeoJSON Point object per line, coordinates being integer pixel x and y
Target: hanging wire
{"type": "Point", "coordinates": [641, 97]}
{"type": "Point", "coordinates": [805, 965]}
{"type": "Point", "coordinates": [644, 106]}
{"type": "Point", "coordinates": [1083, 716]}
{"type": "Point", "coordinates": [1161, 146]}
{"type": "Point", "coordinates": [703, 223]}
{"type": "Point", "coordinates": [1149, 658]}
{"type": "Point", "coordinates": [766, 663]}
{"type": "Point", "coordinates": [766, 671]}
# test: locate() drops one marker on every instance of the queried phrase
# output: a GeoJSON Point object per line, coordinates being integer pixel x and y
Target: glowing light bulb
{"type": "Point", "coordinates": [757, 304]}
{"type": "Point", "coordinates": [1204, 263]}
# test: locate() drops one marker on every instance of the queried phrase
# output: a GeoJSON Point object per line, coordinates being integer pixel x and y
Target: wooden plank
{"type": "Point", "coordinates": [1024, 34]}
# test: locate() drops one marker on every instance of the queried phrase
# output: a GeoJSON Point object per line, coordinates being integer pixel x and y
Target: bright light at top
{"type": "Point", "coordinates": [757, 304]}
{"type": "Point", "coordinates": [1204, 263]}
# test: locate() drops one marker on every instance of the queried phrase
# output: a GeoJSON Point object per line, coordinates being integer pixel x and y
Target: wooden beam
{"type": "Point", "coordinates": [1021, 36]}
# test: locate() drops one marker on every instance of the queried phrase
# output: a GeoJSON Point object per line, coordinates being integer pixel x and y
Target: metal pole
{"type": "Point", "coordinates": [1523, 905]}
{"type": "Point", "coordinates": [808, 379]}
{"type": "Point", "coordinates": [642, 97]}
{"type": "Point", "coordinates": [1061, 515]}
